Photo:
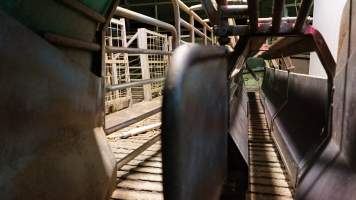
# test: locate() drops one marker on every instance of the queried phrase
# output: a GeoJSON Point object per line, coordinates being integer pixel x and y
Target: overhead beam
{"type": "Point", "coordinates": [282, 47]}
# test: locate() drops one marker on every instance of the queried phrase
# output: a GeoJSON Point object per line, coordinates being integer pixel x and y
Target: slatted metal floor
{"type": "Point", "coordinates": [141, 178]}
{"type": "Point", "coordinates": [268, 179]}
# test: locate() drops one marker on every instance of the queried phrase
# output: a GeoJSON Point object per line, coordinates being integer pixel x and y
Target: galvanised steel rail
{"type": "Point", "coordinates": [136, 51]}
{"type": "Point", "coordinates": [133, 84]}
{"type": "Point", "coordinates": [128, 14]}
{"type": "Point", "coordinates": [178, 5]}
{"type": "Point", "coordinates": [127, 123]}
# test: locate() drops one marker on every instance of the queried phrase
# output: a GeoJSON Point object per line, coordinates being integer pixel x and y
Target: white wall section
{"type": "Point", "coordinates": [327, 19]}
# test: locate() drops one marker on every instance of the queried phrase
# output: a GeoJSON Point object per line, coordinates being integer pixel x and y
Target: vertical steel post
{"type": "Point", "coordinates": [176, 12]}
{"type": "Point", "coordinates": [205, 36]}
{"type": "Point", "coordinates": [126, 60]}
{"type": "Point", "coordinates": [145, 70]}
{"type": "Point", "coordinates": [192, 31]}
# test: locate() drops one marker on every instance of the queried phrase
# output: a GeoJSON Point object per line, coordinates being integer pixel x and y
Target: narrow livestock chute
{"type": "Point", "coordinates": [293, 138]}
{"type": "Point", "coordinates": [177, 100]}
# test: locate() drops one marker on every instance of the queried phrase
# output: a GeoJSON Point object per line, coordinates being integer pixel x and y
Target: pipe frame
{"type": "Point", "coordinates": [123, 12]}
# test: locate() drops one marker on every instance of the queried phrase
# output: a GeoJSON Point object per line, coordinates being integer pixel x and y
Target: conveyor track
{"type": "Point", "coordinates": [267, 176]}
{"type": "Point", "coordinates": [140, 178]}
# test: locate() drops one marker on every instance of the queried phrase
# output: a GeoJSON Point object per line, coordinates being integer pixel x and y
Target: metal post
{"type": "Point", "coordinates": [114, 77]}
{"type": "Point", "coordinates": [176, 12]}
{"type": "Point", "coordinates": [205, 36]}
{"type": "Point", "coordinates": [212, 37]}
{"type": "Point", "coordinates": [192, 31]}
{"type": "Point", "coordinates": [142, 44]}
{"type": "Point", "coordinates": [156, 17]}
{"type": "Point", "coordinates": [126, 60]}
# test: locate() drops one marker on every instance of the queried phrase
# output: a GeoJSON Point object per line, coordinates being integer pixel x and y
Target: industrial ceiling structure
{"type": "Point", "coordinates": [162, 9]}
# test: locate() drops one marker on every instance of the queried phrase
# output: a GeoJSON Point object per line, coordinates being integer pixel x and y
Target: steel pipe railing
{"type": "Point", "coordinates": [133, 84]}
{"type": "Point", "coordinates": [229, 11]}
{"type": "Point", "coordinates": [188, 26]}
{"type": "Point", "coordinates": [127, 123]}
{"type": "Point", "coordinates": [136, 51]}
{"type": "Point", "coordinates": [196, 7]}
{"type": "Point", "coordinates": [122, 12]}
{"type": "Point", "coordinates": [186, 9]}
{"type": "Point", "coordinates": [179, 5]}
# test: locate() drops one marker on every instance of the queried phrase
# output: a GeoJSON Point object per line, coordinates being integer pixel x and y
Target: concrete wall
{"type": "Point", "coordinates": [327, 17]}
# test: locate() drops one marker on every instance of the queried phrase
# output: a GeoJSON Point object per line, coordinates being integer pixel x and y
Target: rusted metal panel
{"type": "Point", "coordinates": [194, 123]}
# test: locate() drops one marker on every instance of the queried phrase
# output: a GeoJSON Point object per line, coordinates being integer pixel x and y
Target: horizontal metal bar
{"type": "Point", "coordinates": [125, 124]}
{"type": "Point", "coordinates": [281, 47]}
{"type": "Point", "coordinates": [186, 9]}
{"type": "Point", "coordinates": [133, 84]}
{"type": "Point", "coordinates": [122, 12]}
{"type": "Point", "coordinates": [264, 27]}
{"type": "Point", "coordinates": [240, 2]}
{"type": "Point", "coordinates": [190, 27]}
{"type": "Point", "coordinates": [224, 31]}
{"type": "Point", "coordinates": [229, 11]}
{"type": "Point", "coordinates": [136, 51]}
{"type": "Point", "coordinates": [76, 5]}
{"type": "Point", "coordinates": [196, 7]}
{"type": "Point", "coordinates": [140, 130]}
{"type": "Point", "coordinates": [137, 151]}
{"type": "Point", "coordinates": [70, 42]}
{"type": "Point", "coordinates": [284, 19]}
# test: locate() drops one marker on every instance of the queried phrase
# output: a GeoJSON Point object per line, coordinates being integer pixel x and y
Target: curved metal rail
{"type": "Point", "coordinates": [122, 12]}
{"type": "Point", "coordinates": [179, 5]}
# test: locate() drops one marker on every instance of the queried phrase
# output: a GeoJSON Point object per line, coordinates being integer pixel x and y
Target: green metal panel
{"type": "Point", "coordinates": [55, 17]}
{"type": "Point", "coordinates": [100, 6]}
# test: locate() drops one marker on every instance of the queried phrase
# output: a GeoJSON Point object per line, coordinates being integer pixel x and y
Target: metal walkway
{"type": "Point", "coordinates": [141, 177]}
{"type": "Point", "coordinates": [126, 117]}
{"type": "Point", "coordinates": [267, 176]}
